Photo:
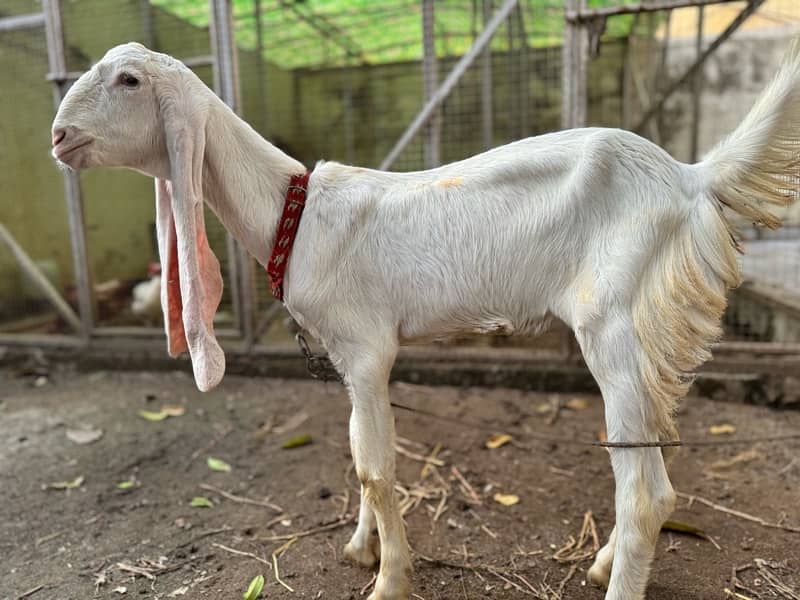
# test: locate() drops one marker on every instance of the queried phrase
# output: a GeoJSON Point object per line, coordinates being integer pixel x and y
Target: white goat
{"type": "Point", "coordinates": [598, 227]}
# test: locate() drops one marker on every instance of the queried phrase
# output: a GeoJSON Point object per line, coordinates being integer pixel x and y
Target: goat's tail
{"type": "Point", "coordinates": [683, 293]}
{"type": "Point", "coordinates": [758, 165]}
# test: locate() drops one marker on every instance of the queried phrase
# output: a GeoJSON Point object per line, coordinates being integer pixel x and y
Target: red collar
{"type": "Point", "coordinates": [286, 232]}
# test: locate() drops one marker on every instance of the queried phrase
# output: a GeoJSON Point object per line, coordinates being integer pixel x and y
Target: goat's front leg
{"type": "Point", "coordinates": [372, 444]}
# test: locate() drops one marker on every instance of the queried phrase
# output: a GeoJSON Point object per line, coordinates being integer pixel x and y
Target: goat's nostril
{"type": "Point", "coordinates": [58, 135]}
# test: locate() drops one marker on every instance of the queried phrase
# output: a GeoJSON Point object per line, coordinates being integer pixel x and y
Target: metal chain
{"type": "Point", "coordinates": [318, 365]}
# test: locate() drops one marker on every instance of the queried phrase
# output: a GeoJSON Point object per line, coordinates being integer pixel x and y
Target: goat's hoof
{"type": "Point", "coordinates": [599, 575]}
{"type": "Point", "coordinates": [391, 588]}
{"type": "Point", "coordinates": [366, 555]}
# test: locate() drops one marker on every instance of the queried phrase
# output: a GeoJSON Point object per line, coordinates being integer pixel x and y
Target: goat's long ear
{"type": "Point", "coordinates": [191, 282]}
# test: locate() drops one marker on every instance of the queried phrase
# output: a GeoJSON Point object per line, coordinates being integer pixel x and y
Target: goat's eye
{"type": "Point", "coordinates": [128, 80]}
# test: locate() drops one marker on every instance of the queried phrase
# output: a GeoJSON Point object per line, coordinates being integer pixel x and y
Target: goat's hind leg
{"type": "Point", "coordinates": [644, 497]}
{"type": "Point", "coordinates": [600, 571]}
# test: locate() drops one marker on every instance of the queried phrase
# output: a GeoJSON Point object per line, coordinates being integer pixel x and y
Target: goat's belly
{"type": "Point", "coordinates": [427, 330]}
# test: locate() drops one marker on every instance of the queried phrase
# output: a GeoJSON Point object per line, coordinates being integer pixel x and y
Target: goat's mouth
{"type": "Point", "coordinates": [63, 150]}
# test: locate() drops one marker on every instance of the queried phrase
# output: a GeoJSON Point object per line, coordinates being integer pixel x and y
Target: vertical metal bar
{"type": "Point", "coordinates": [697, 89]}
{"type": "Point", "coordinates": [430, 71]}
{"type": "Point", "coordinates": [486, 84]}
{"type": "Point", "coordinates": [72, 188]}
{"type": "Point", "coordinates": [512, 77]}
{"type": "Point", "coordinates": [226, 80]}
{"type": "Point", "coordinates": [261, 72]}
{"type": "Point", "coordinates": [574, 59]}
{"type": "Point", "coordinates": [663, 73]}
{"type": "Point", "coordinates": [146, 10]}
{"type": "Point", "coordinates": [349, 121]}
{"type": "Point", "coordinates": [627, 78]}
{"type": "Point", "coordinates": [449, 83]}
{"type": "Point", "coordinates": [523, 67]}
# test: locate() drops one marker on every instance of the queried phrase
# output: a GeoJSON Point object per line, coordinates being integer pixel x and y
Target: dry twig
{"type": "Point", "coordinates": [369, 584]}
{"type": "Point", "coordinates": [30, 592]}
{"type": "Point", "coordinates": [277, 553]}
{"type": "Point", "coordinates": [241, 499]}
{"type": "Point", "coordinates": [137, 571]}
{"type": "Point", "coordinates": [428, 460]}
{"type": "Point", "coordinates": [777, 586]}
{"type": "Point", "coordinates": [307, 532]}
{"type": "Point", "coordinates": [242, 553]}
{"type": "Point", "coordinates": [736, 513]}
{"type": "Point", "coordinates": [467, 488]}
{"type": "Point", "coordinates": [573, 550]}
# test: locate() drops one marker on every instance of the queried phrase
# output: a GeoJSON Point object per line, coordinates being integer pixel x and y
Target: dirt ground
{"type": "Point", "coordinates": [96, 540]}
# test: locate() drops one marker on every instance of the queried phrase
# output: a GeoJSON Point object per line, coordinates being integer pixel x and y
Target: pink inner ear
{"type": "Point", "coordinates": [210, 276]}
{"type": "Point", "coordinates": [175, 332]}
{"type": "Point", "coordinates": [210, 280]}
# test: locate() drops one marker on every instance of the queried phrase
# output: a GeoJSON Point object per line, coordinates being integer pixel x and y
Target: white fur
{"type": "Point", "coordinates": [597, 227]}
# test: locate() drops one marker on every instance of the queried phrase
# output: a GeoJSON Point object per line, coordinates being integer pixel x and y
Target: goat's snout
{"type": "Point", "coordinates": [59, 133]}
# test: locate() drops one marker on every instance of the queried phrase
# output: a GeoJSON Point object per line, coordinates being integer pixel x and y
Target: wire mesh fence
{"type": "Point", "coordinates": [696, 112]}
{"type": "Point", "coordinates": [32, 209]}
{"type": "Point", "coordinates": [342, 81]}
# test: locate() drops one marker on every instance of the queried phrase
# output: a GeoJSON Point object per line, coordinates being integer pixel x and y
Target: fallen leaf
{"type": "Point", "coordinates": [722, 429]}
{"type": "Point", "coordinates": [680, 527]}
{"type": "Point", "coordinates": [742, 457]}
{"type": "Point", "coordinates": [84, 436]}
{"type": "Point", "coordinates": [297, 441]}
{"type": "Point", "coordinates": [498, 440]}
{"type": "Point", "coordinates": [67, 485]}
{"type": "Point", "coordinates": [173, 410]}
{"type": "Point", "coordinates": [543, 408]}
{"type": "Point", "coordinates": [201, 502]}
{"type": "Point", "coordinates": [254, 589]}
{"type": "Point", "coordinates": [216, 464]}
{"type": "Point", "coordinates": [126, 485]}
{"type": "Point", "coordinates": [178, 592]}
{"type": "Point", "coordinates": [577, 404]}
{"type": "Point", "coordinates": [506, 499]}
{"type": "Point", "coordinates": [153, 416]}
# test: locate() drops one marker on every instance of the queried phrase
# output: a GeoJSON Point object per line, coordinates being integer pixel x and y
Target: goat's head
{"type": "Point", "coordinates": [147, 111]}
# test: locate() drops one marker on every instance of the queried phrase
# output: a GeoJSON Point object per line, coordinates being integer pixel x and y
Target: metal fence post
{"type": "Point", "coordinates": [487, 122]}
{"type": "Point", "coordinates": [697, 88]}
{"type": "Point", "coordinates": [72, 187]}
{"type": "Point", "coordinates": [574, 58]}
{"type": "Point", "coordinates": [226, 84]}
{"type": "Point", "coordinates": [449, 83]}
{"type": "Point", "coordinates": [430, 70]}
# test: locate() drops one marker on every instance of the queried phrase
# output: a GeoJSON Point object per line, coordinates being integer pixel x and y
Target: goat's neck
{"type": "Point", "coordinates": [245, 180]}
